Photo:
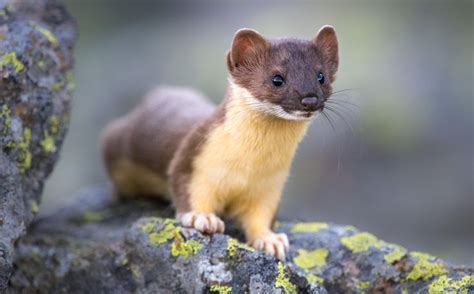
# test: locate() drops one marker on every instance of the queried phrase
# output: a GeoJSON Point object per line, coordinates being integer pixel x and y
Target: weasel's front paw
{"type": "Point", "coordinates": [273, 244]}
{"type": "Point", "coordinates": [203, 222]}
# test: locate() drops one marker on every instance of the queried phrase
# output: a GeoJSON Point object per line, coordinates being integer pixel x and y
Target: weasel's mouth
{"type": "Point", "coordinates": [301, 114]}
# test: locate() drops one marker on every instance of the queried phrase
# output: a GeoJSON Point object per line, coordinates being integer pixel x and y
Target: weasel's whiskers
{"type": "Point", "coordinates": [342, 117]}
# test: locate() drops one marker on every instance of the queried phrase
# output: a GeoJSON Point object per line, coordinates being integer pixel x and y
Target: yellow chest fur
{"type": "Point", "coordinates": [248, 154]}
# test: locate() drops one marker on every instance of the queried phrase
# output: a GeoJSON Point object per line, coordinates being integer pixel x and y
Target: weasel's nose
{"type": "Point", "coordinates": [311, 103]}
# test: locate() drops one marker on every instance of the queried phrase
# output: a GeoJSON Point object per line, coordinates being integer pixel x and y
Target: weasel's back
{"type": "Point", "coordinates": [139, 146]}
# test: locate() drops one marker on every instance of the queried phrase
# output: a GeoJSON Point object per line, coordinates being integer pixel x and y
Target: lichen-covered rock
{"type": "Point", "coordinates": [100, 246]}
{"type": "Point", "coordinates": [36, 40]}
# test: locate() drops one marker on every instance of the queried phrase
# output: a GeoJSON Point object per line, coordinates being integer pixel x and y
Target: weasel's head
{"type": "Point", "coordinates": [287, 78]}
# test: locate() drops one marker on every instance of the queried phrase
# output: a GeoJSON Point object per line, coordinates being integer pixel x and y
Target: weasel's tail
{"type": "Point", "coordinates": [138, 148]}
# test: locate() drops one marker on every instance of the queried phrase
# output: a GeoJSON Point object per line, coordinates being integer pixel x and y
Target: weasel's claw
{"type": "Point", "coordinates": [203, 222]}
{"type": "Point", "coordinates": [273, 244]}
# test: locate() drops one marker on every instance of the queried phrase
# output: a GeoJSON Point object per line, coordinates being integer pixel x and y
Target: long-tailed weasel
{"type": "Point", "coordinates": [232, 159]}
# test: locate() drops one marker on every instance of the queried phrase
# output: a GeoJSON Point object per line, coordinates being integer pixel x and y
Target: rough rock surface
{"type": "Point", "coordinates": [36, 39]}
{"type": "Point", "coordinates": [100, 246]}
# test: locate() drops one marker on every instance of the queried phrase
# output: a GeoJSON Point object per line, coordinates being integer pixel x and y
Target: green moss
{"type": "Point", "coordinates": [396, 253]}
{"type": "Point", "coordinates": [311, 259]}
{"type": "Point", "coordinates": [221, 289]}
{"type": "Point", "coordinates": [184, 248]}
{"type": "Point", "coordinates": [12, 59]}
{"type": "Point", "coordinates": [445, 284]}
{"type": "Point", "coordinates": [233, 245]}
{"type": "Point", "coordinates": [314, 279]}
{"type": "Point", "coordinates": [24, 154]}
{"type": "Point", "coordinates": [48, 144]}
{"type": "Point", "coordinates": [282, 281]}
{"type": "Point", "coordinates": [34, 206]}
{"type": "Point", "coordinates": [309, 227]}
{"type": "Point", "coordinates": [6, 115]}
{"type": "Point", "coordinates": [426, 267]}
{"type": "Point", "coordinates": [45, 32]}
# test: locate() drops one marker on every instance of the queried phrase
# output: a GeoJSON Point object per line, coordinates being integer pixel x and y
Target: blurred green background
{"type": "Point", "coordinates": [404, 167]}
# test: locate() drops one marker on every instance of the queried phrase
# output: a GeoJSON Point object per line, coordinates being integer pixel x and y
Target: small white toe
{"type": "Point", "coordinates": [205, 223]}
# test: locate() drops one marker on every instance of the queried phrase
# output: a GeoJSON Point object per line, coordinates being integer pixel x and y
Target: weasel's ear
{"type": "Point", "coordinates": [248, 49]}
{"type": "Point", "coordinates": [326, 43]}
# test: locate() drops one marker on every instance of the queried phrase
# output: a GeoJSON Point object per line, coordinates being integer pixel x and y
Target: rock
{"type": "Point", "coordinates": [101, 246]}
{"type": "Point", "coordinates": [36, 40]}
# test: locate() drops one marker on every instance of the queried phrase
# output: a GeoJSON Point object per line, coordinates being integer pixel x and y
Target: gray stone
{"type": "Point", "coordinates": [98, 245]}
{"type": "Point", "coordinates": [36, 40]}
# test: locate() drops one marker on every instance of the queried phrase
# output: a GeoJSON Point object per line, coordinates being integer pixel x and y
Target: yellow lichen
{"type": "Point", "coordinates": [71, 85]}
{"type": "Point", "coordinates": [350, 228]}
{"type": "Point", "coordinates": [282, 281]}
{"type": "Point", "coordinates": [363, 285]}
{"type": "Point", "coordinates": [41, 64]}
{"type": "Point", "coordinates": [184, 248]}
{"type": "Point", "coordinates": [48, 144]}
{"type": "Point", "coordinates": [93, 216]}
{"type": "Point", "coordinates": [34, 207]}
{"type": "Point", "coordinates": [221, 289]}
{"type": "Point", "coordinates": [311, 259]}
{"type": "Point", "coordinates": [24, 154]}
{"type": "Point", "coordinates": [167, 233]}
{"type": "Point", "coordinates": [10, 144]}
{"type": "Point", "coordinates": [53, 124]}
{"type": "Point", "coordinates": [360, 242]}
{"type": "Point", "coordinates": [6, 115]}
{"type": "Point", "coordinates": [309, 227]}
{"type": "Point", "coordinates": [426, 267]}
{"type": "Point", "coordinates": [314, 279]}
{"type": "Point", "coordinates": [12, 59]}
{"type": "Point", "coordinates": [396, 253]}
{"type": "Point", "coordinates": [147, 228]}
{"type": "Point", "coordinates": [57, 86]}
{"type": "Point", "coordinates": [47, 33]}
{"type": "Point", "coordinates": [445, 284]}
{"type": "Point", "coordinates": [233, 245]}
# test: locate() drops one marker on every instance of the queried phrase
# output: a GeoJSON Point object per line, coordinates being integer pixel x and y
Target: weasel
{"type": "Point", "coordinates": [231, 160]}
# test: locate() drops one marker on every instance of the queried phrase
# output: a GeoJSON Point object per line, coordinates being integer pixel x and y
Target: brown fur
{"type": "Point", "coordinates": [181, 166]}
{"type": "Point", "coordinates": [147, 138]}
{"type": "Point", "coordinates": [234, 159]}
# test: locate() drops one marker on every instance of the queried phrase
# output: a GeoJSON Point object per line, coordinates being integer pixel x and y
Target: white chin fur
{"type": "Point", "coordinates": [267, 107]}
{"type": "Point", "coordinates": [278, 111]}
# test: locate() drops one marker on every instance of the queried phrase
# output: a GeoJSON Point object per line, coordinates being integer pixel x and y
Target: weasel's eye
{"type": "Point", "coordinates": [321, 78]}
{"type": "Point", "coordinates": [278, 81]}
